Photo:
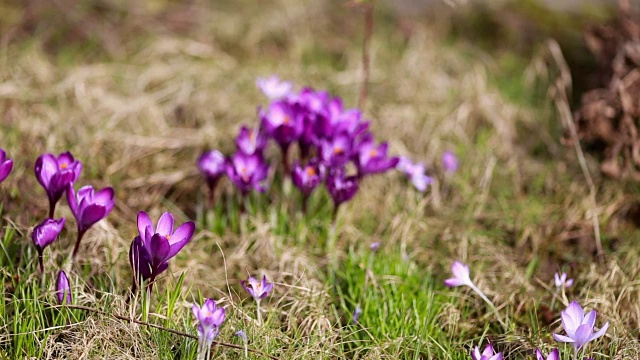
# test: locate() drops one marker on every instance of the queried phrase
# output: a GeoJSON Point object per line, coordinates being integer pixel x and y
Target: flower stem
{"type": "Point", "coordinates": [77, 247]}
{"type": "Point", "coordinates": [52, 209]}
{"type": "Point", "coordinates": [259, 312]}
{"type": "Point", "coordinates": [41, 260]}
{"type": "Point", "coordinates": [491, 305]}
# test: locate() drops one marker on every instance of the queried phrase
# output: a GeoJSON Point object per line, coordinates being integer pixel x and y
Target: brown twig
{"type": "Point", "coordinates": [366, 56]}
{"type": "Point", "coordinates": [172, 331]}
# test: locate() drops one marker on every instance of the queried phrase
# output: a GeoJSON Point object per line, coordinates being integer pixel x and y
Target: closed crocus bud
{"type": "Point", "coordinates": [55, 175]}
{"type": "Point", "coordinates": [257, 289]}
{"type": "Point", "coordinates": [63, 289]}
{"type": "Point", "coordinates": [89, 206]}
{"type": "Point", "coordinates": [44, 234]}
{"type": "Point", "coordinates": [6, 165]}
{"type": "Point", "coordinates": [212, 166]}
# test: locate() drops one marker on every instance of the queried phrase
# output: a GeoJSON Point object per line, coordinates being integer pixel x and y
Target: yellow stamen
{"type": "Point", "coordinates": [338, 150]}
{"type": "Point", "coordinates": [310, 171]}
{"type": "Point", "coordinates": [63, 166]}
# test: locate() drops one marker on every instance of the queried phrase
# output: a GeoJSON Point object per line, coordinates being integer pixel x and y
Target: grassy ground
{"type": "Point", "coordinates": [138, 104]}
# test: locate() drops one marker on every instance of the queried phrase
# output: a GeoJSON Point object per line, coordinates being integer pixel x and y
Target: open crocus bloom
{"type": "Point", "coordinates": [341, 188]}
{"type": "Point", "coordinates": [554, 355]}
{"type": "Point", "coordinates": [487, 354]}
{"type": "Point", "coordinates": [307, 177]}
{"type": "Point", "coordinates": [460, 275]}
{"type": "Point", "coordinates": [372, 159]}
{"type": "Point", "coordinates": [251, 141]}
{"type": "Point", "coordinates": [257, 289]}
{"type": "Point", "coordinates": [562, 281]}
{"type": "Point", "coordinates": [55, 175]}
{"type": "Point", "coordinates": [415, 173]}
{"type": "Point", "coordinates": [578, 326]}
{"type": "Point", "coordinates": [247, 172]}
{"type": "Point", "coordinates": [274, 88]}
{"type": "Point", "coordinates": [151, 249]}
{"type": "Point", "coordinates": [210, 317]}
{"type": "Point", "coordinates": [90, 206]}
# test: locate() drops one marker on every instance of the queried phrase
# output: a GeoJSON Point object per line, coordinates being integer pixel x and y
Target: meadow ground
{"type": "Point", "coordinates": [136, 92]}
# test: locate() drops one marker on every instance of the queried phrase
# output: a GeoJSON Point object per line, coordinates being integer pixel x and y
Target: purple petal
{"type": "Point", "coordinates": [554, 355]}
{"type": "Point", "coordinates": [582, 335]}
{"type": "Point", "coordinates": [91, 214]}
{"type": "Point", "coordinates": [46, 166]}
{"type": "Point", "coordinates": [600, 332]}
{"type": "Point", "coordinates": [539, 355]}
{"type": "Point", "coordinates": [590, 319]}
{"type": "Point", "coordinates": [562, 338]}
{"type": "Point", "coordinates": [159, 249]}
{"type": "Point", "coordinates": [488, 351]}
{"type": "Point", "coordinates": [144, 222]}
{"type": "Point", "coordinates": [454, 282]}
{"type": "Point", "coordinates": [180, 238]}
{"type": "Point", "coordinates": [5, 169]}
{"type": "Point", "coordinates": [165, 225]}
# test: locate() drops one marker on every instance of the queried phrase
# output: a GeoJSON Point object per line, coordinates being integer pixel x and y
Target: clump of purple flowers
{"type": "Point", "coordinates": [335, 145]}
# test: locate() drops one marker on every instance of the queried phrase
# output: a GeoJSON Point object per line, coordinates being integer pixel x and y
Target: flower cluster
{"type": "Point", "coordinates": [334, 142]}
{"type": "Point", "coordinates": [57, 176]}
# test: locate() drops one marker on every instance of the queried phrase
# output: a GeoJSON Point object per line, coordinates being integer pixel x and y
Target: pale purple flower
{"type": "Point", "coordinates": [449, 162]}
{"type": "Point", "coordinates": [257, 289]}
{"type": "Point", "coordinates": [579, 327]}
{"type": "Point", "coordinates": [44, 234]}
{"type": "Point", "coordinates": [210, 317]}
{"type": "Point", "coordinates": [486, 354]}
{"type": "Point", "coordinates": [341, 188]}
{"type": "Point", "coordinates": [336, 152]}
{"type": "Point", "coordinates": [282, 123]}
{"type": "Point", "coordinates": [55, 175]}
{"type": "Point", "coordinates": [375, 246]}
{"type": "Point", "coordinates": [88, 206]}
{"type": "Point", "coordinates": [562, 281]}
{"type": "Point", "coordinates": [63, 289]}
{"type": "Point", "coordinates": [6, 165]}
{"type": "Point", "coordinates": [356, 314]}
{"type": "Point", "coordinates": [415, 173]}
{"type": "Point", "coordinates": [553, 355]}
{"type": "Point", "coordinates": [242, 335]}
{"type": "Point", "coordinates": [274, 88]}
{"type": "Point", "coordinates": [460, 275]}
{"type": "Point", "coordinates": [211, 165]}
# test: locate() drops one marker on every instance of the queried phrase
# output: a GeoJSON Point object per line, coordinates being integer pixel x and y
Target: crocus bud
{"type": "Point", "coordinates": [44, 234]}
{"type": "Point", "coordinates": [89, 207]}
{"type": "Point", "coordinates": [63, 289]}
{"type": "Point", "coordinates": [6, 165]}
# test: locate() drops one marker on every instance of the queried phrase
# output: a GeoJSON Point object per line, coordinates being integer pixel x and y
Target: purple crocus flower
{"type": "Point", "coordinates": [341, 188]}
{"type": "Point", "coordinates": [306, 178]}
{"type": "Point", "coordinates": [247, 172]}
{"type": "Point", "coordinates": [579, 327]}
{"type": "Point", "coordinates": [257, 289]}
{"type": "Point", "coordinates": [449, 162]}
{"type": "Point", "coordinates": [212, 166]}
{"type": "Point", "coordinates": [336, 152]}
{"type": "Point", "coordinates": [375, 246]}
{"type": "Point", "coordinates": [415, 173]}
{"type": "Point", "coordinates": [460, 275]}
{"type": "Point", "coordinates": [373, 159]}
{"type": "Point", "coordinates": [210, 317]}
{"type": "Point", "coordinates": [55, 175]}
{"type": "Point", "coordinates": [487, 354]}
{"type": "Point", "coordinates": [251, 141]}
{"type": "Point", "coordinates": [63, 289]}
{"type": "Point", "coordinates": [44, 234]}
{"type": "Point", "coordinates": [273, 88]}
{"type": "Point", "coordinates": [284, 125]}
{"type": "Point", "coordinates": [151, 249]}
{"type": "Point", "coordinates": [561, 281]}
{"type": "Point", "coordinates": [6, 165]}
{"type": "Point", "coordinates": [554, 355]}
{"type": "Point", "coordinates": [88, 206]}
